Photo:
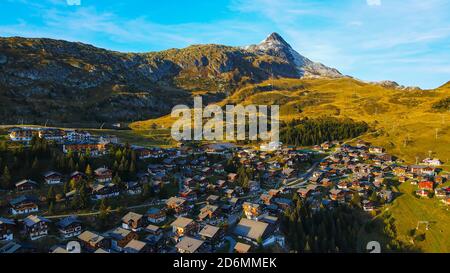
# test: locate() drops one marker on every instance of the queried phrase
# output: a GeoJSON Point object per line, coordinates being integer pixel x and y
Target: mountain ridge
{"type": "Point", "coordinates": [44, 78]}
{"type": "Point", "coordinates": [65, 82]}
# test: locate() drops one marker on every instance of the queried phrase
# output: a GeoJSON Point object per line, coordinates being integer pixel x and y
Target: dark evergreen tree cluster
{"type": "Point", "coordinates": [322, 231]}
{"type": "Point", "coordinates": [123, 161]}
{"type": "Point", "coordinates": [307, 132]}
{"type": "Point", "coordinates": [28, 162]}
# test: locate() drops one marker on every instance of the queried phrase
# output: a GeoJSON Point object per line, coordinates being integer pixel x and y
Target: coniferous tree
{"type": "Point", "coordinates": [6, 179]}
{"type": "Point", "coordinates": [88, 171]}
{"type": "Point", "coordinates": [51, 208]}
{"type": "Point", "coordinates": [51, 195]}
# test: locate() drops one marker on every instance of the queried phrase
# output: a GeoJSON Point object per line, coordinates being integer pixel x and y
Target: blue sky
{"type": "Point", "coordinates": [403, 40]}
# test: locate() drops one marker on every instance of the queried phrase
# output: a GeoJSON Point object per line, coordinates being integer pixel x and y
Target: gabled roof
{"type": "Point", "coordinates": [209, 231]}
{"type": "Point", "coordinates": [22, 199]}
{"type": "Point", "coordinates": [10, 247]}
{"type": "Point", "coordinates": [250, 229]}
{"type": "Point", "coordinates": [101, 170]}
{"type": "Point", "coordinates": [68, 221]}
{"type": "Point", "coordinates": [6, 221]}
{"type": "Point", "coordinates": [242, 248]}
{"type": "Point", "coordinates": [152, 228]}
{"type": "Point", "coordinates": [101, 251]}
{"type": "Point", "coordinates": [51, 173]}
{"type": "Point", "coordinates": [33, 219]}
{"type": "Point", "coordinates": [153, 210]}
{"type": "Point", "coordinates": [118, 233]}
{"type": "Point", "coordinates": [181, 222]}
{"type": "Point", "coordinates": [189, 244]}
{"type": "Point", "coordinates": [135, 245]}
{"type": "Point", "coordinates": [90, 237]}
{"type": "Point", "coordinates": [77, 173]}
{"type": "Point", "coordinates": [26, 181]}
{"type": "Point", "coordinates": [175, 200]}
{"type": "Point", "coordinates": [132, 216]}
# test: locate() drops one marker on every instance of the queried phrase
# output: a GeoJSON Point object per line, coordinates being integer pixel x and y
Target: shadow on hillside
{"type": "Point", "coordinates": [382, 229]}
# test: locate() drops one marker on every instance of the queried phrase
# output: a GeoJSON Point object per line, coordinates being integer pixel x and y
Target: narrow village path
{"type": "Point", "coordinates": [98, 212]}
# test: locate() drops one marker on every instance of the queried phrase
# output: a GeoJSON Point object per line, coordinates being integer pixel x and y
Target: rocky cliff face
{"type": "Point", "coordinates": [68, 82]}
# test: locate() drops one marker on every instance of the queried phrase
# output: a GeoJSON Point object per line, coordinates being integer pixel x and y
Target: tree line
{"type": "Point", "coordinates": [308, 132]}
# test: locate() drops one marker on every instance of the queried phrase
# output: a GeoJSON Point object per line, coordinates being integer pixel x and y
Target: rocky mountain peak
{"type": "Point", "coordinates": [274, 40]}
{"type": "Point", "coordinates": [274, 45]}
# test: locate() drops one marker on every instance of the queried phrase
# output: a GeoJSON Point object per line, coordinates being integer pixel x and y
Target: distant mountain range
{"type": "Point", "coordinates": [66, 82]}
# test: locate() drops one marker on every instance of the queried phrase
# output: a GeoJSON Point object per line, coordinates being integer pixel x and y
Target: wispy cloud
{"type": "Point", "coordinates": [86, 24]}
{"type": "Point", "coordinates": [374, 2]}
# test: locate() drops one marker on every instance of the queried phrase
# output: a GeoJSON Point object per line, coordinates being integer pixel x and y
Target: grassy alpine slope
{"type": "Point", "coordinates": [403, 121]}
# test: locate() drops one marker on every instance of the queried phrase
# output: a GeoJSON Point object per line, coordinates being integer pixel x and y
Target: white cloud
{"type": "Point", "coordinates": [374, 2]}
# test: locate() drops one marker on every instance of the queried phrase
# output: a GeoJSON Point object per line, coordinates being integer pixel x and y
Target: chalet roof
{"type": "Point", "coordinates": [51, 173]}
{"type": "Point", "coordinates": [213, 197]}
{"type": "Point", "coordinates": [118, 233]}
{"type": "Point", "coordinates": [6, 221]}
{"type": "Point", "coordinates": [101, 251]}
{"type": "Point", "coordinates": [209, 231]}
{"type": "Point", "coordinates": [250, 229]}
{"type": "Point", "coordinates": [68, 221]}
{"type": "Point", "coordinates": [23, 199]}
{"type": "Point", "coordinates": [90, 237]}
{"type": "Point", "coordinates": [175, 201]}
{"type": "Point", "coordinates": [10, 247]}
{"type": "Point", "coordinates": [60, 250]}
{"type": "Point", "coordinates": [26, 181]}
{"type": "Point", "coordinates": [77, 173]}
{"type": "Point", "coordinates": [189, 244]}
{"type": "Point", "coordinates": [152, 228]}
{"type": "Point", "coordinates": [242, 248]}
{"type": "Point", "coordinates": [288, 171]}
{"type": "Point", "coordinates": [33, 219]}
{"type": "Point", "coordinates": [181, 222]}
{"type": "Point", "coordinates": [135, 245]}
{"type": "Point", "coordinates": [153, 211]}
{"type": "Point", "coordinates": [132, 216]}
{"type": "Point", "coordinates": [101, 170]}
